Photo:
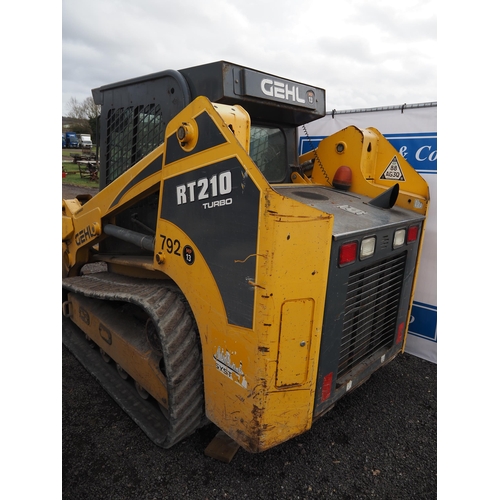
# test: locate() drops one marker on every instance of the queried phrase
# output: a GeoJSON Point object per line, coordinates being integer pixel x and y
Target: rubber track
{"type": "Point", "coordinates": [166, 306]}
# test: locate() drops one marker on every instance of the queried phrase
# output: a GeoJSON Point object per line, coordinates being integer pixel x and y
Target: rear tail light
{"type": "Point", "coordinates": [348, 253]}
{"type": "Point", "coordinates": [412, 233]}
{"type": "Point", "coordinates": [326, 388]}
{"type": "Point", "coordinates": [401, 330]}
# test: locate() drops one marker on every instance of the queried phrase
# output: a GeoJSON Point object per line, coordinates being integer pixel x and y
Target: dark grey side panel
{"type": "Point", "coordinates": [223, 227]}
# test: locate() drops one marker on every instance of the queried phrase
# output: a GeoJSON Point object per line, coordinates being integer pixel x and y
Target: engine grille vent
{"type": "Point", "coordinates": [371, 311]}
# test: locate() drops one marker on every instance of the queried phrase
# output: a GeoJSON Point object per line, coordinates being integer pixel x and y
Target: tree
{"type": "Point", "coordinates": [85, 114]}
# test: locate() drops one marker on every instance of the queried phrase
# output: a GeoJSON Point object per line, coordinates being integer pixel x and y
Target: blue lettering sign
{"type": "Point", "coordinates": [423, 321]}
{"type": "Point", "coordinates": [307, 144]}
{"type": "Point", "coordinates": [419, 150]}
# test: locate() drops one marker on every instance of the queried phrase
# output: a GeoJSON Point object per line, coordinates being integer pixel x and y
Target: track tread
{"type": "Point", "coordinates": [168, 309]}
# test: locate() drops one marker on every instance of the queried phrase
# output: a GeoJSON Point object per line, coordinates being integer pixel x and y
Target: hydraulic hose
{"type": "Point", "coordinates": [141, 240]}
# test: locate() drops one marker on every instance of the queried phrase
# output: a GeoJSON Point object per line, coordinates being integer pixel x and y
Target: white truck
{"type": "Point", "coordinates": [84, 141]}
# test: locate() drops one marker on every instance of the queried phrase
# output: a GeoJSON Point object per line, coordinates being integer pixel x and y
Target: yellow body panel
{"type": "Point", "coordinates": [368, 154]}
{"type": "Point", "coordinates": [291, 274]}
{"type": "Point", "coordinates": [295, 330]}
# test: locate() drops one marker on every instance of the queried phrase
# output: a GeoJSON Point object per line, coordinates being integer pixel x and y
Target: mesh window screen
{"type": "Point", "coordinates": [132, 133]}
{"type": "Point", "coordinates": [268, 151]}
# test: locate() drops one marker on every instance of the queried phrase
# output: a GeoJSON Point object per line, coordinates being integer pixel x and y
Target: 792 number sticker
{"type": "Point", "coordinates": [170, 245]}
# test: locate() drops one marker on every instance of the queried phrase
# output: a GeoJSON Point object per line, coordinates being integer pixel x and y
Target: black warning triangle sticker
{"type": "Point", "coordinates": [393, 171]}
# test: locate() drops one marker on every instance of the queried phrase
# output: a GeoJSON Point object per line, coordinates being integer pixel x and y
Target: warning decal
{"type": "Point", "coordinates": [393, 171]}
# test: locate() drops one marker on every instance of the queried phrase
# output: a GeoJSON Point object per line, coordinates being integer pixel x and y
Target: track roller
{"type": "Point", "coordinates": [141, 391]}
{"type": "Point", "coordinates": [104, 356]}
{"type": "Point", "coordinates": [123, 374]}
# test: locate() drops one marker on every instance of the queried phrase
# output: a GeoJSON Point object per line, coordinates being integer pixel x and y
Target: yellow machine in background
{"type": "Point", "coordinates": [241, 284]}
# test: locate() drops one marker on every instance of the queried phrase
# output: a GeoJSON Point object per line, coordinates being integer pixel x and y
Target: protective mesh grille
{"type": "Point", "coordinates": [132, 133]}
{"type": "Point", "coordinates": [371, 311]}
{"type": "Point", "coordinates": [267, 150]}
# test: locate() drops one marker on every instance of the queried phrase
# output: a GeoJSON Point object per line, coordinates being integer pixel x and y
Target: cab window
{"type": "Point", "coordinates": [268, 151]}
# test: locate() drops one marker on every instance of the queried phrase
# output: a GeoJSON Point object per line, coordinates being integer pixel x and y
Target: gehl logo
{"type": "Point", "coordinates": [85, 235]}
{"type": "Point", "coordinates": [285, 91]}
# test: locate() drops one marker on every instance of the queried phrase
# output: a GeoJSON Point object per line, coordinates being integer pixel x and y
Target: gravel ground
{"type": "Point", "coordinates": [379, 442]}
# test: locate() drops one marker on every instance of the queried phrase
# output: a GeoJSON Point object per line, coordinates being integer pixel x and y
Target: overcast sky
{"type": "Point", "coordinates": [363, 53]}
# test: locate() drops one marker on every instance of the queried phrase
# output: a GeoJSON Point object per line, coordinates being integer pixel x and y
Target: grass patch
{"type": "Point", "coordinates": [73, 177]}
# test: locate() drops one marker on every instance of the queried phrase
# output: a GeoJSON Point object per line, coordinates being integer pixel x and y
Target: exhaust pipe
{"type": "Point", "coordinates": [387, 198]}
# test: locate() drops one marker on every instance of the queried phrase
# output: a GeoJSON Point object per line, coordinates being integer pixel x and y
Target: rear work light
{"type": "Point", "coordinates": [399, 238]}
{"type": "Point", "coordinates": [348, 253]}
{"type": "Point", "coordinates": [367, 247]}
{"type": "Point", "coordinates": [412, 234]}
